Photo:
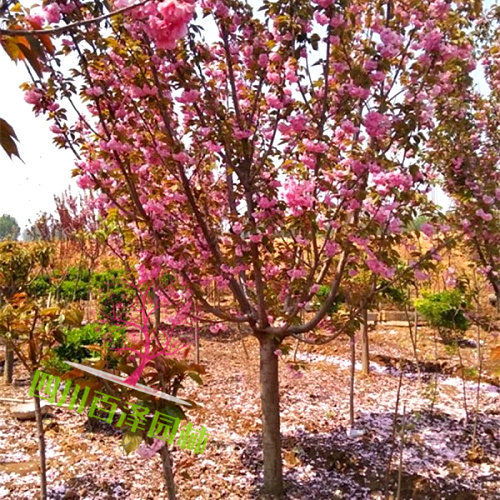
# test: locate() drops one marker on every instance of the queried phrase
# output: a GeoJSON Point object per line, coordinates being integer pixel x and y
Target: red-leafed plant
{"type": "Point", "coordinates": [155, 340]}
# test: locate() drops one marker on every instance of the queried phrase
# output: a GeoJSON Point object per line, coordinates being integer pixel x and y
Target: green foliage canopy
{"type": "Point", "coordinates": [9, 228]}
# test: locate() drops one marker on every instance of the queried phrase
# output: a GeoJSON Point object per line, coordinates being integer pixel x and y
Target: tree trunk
{"type": "Point", "coordinates": [8, 368]}
{"type": "Point", "coordinates": [134, 377]}
{"type": "Point", "coordinates": [197, 340]}
{"type": "Point", "coordinates": [41, 448]}
{"type": "Point", "coordinates": [365, 348]}
{"type": "Point", "coordinates": [271, 438]}
{"type": "Point", "coordinates": [168, 473]}
{"type": "Point", "coordinates": [352, 345]}
{"type": "Point", "coordinates": [157, 315]}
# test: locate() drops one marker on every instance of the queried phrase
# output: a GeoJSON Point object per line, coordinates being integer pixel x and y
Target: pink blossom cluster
{"type": "Point", "coordinates": [166, 21]}
{"type": "Point", "coordinates": [377, 125]}
{"type": "Point", "coordinates": [299, 195]}
{"type": "Point", "coordinates": [52, 12]}
{"type": "Point", "coordinates": [378, 267]}
{"type": "Point", "coordinates": [387, 181]}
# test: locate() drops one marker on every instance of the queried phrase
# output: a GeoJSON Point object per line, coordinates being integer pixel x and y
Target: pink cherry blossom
{"type": "Point", "coordinates": [263, 60]}
{"type": "Point", "coordinates": [33, 97]}
{"type": "Point", "coordinates": [298, 196]}
{"type": "Point", "coordinates": [380, 268]}
{"type": "Point", "coordinates": [484, 215]}
{"type": "Point", "coordinates": [432, 41]}
{"type": "Point", "coordinates": [146, 452]}
{"type": "Point", "coordinates": [52, 13]}
{"type": "Point", "coordinates": [421, 275]}
{"type": "Point", "coordinates": [427, 229]}
{"type": "Point", "coordinates": [171, 22]}
{"type": "Point", "coordinates": [376, 124]}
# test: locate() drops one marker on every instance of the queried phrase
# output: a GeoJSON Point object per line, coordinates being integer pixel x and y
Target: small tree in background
{"type": "Point", "coordinates": [31, 331]}
{"type": "Point", "coordinates": [156, 340]}
{"type": "Point", "coordinates": [9, 228]}
{"type": "Point", "coordinates": [18, 264]}
{"type": "Point", "coordinates": [465, 147]}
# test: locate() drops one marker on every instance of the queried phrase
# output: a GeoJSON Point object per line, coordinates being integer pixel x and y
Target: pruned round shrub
{"type": "Point", "coordinates": [445, 312]}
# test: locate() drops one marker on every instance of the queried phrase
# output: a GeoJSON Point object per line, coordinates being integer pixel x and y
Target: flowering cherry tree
{"type": "Point", "coordinates": [466, 148]}
{"type": "Point", "coordinates": [266, 148]}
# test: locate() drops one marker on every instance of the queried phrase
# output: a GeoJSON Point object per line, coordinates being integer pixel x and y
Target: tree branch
{"type": "Point", "coordinates": [63, 29]}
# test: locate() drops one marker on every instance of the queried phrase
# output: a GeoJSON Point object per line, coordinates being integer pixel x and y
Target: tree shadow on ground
{"type": "Point", "coordinates": [86, 486]}
{"type": "Point", "coordinates": [95, 425]}
{"type": "Point", "coordinates": [227, 336]}
{"type": "Point", "coordinates": [428, 368]}
{"type": "Point", "coordinates": [334, 466]}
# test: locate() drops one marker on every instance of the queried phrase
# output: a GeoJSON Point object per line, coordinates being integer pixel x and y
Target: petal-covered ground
{"type": "Point", "coordinates": [437, 458]}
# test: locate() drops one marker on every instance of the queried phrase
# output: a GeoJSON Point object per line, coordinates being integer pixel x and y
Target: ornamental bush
{"type": "Point", "coordinates": [74, 290]}
{"type": "Point", "coordinates": [114, 305]}
{"type": "Point", "coordinates": [75, 346]}
{"type": "Point", "coordinates": [445, 311]}
{"type": "Point", "coordinates": [321, 295]}
{"type": "Point", "coordinates": [40, 286]}
{"type": "Point", "coordinates": [106, 280]}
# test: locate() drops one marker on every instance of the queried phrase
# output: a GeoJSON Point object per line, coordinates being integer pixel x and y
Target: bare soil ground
{"type": "Point", "coordinates": [321, 461]}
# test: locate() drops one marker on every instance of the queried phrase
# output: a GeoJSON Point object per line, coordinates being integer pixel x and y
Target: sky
{"type": "Point", "coordinates": [27, 188]}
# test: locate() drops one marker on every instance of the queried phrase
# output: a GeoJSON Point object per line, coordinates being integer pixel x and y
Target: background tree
{"type": "Point", "coordinates": [16, 265]}
{"type": "Point", "coordinates": [9, 228]}
{"type": "Point", "coordinates": [281, 153]}
{"type": "Point", "coordinates": [45, 228]}
{"type": "Point", "coordinates": [31, 330]}
{"type": "Point", "coordinates": [466, 148]}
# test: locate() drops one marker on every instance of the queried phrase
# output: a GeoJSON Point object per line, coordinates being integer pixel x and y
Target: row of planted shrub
{"type": "Point", "coordinates": [75, 284]}
{"type": "Point", "coordinates": [113, 294]}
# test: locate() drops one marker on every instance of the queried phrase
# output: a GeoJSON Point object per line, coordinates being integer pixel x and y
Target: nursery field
{"type": "Point", "coordinates": [273, 269]}
{"type": "Point", "coordinates": [428, 443]}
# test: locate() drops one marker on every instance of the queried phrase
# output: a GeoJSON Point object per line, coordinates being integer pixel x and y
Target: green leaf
{"type": "Point", "coordinates": [73, 317]}
{"type": "Point", "coordinates": [174, 411]}
{"type": "Point", "coordinates": [196, 377]}
{"type": "Point", "coordinates": [131, 441]}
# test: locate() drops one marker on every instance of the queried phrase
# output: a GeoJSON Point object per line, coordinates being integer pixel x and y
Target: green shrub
{"type": "Point", "coordinates": [167, 280]}
{"type": "Point", "coordinates": [115, 296]}
{"type": "Point", "coordinates": [393, 294]}
{"type": "Point", "coordinates": [107, 280]}
{"type": "Point", "coordinates": [114, 305]}
{"type": "Point", "coordinates": [40, 286]}
{"type": "Point", "coordinates": [78, 274]}
{"type": "Point", "coordinates": [76, 342]}
{"type": "Point", "coordinates": [75, 285]}
{"type": "Point", "coordinates": [321, 295]}
{"type": "Point", "coordinates": [70, 290]}
{"type": "Point", "coordinates": [445, 311]}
